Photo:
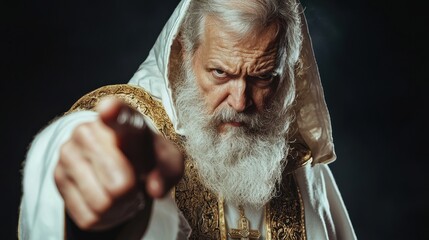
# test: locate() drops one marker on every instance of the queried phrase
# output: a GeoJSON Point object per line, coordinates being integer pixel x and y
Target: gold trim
{"type": "Point", "coordinates": [173, 193]}
{"type": "Point", "coordinates": [199, 205]}
{"type": "Point", "coordinates": [203, 210]}
{"type": "Point", "coordinates": [136, 97]}
{"type": "Point", "coordinates": [304, 233]}
{"type": "Point", "coordinates": [286, 218]}
{"type": "Point", "coordinates": [222, 224]}
{"type": "Point", "coordinates": [299, 155]}
{"type": "Point", "coordinates": [267, 225]}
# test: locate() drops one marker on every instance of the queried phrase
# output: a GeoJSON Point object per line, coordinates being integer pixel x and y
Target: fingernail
{"type": "Point", "coordinates": [119, 180]}
{"type": "Point", "coordinates": [155, 187]}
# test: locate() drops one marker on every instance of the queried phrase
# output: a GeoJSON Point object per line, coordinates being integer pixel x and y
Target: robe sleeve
{"type": "Point", "coordinates": [42, 208]}
{"type": "Point", "coordinates": [340, 216]}
{"type": "Point", "coordinates": [326, 216]}
{"type": "Point", "coordinates": [42, 213]}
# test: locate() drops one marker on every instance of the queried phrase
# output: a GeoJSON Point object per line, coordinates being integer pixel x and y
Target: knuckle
{"type": "Point", "coordinates": [60, 177]}
{"type": "Point", "coordinates": [64, 158]}
{"type": "Point", "coordinates": [87, 221]}
{"type": "Point", "coordinates": [64, 149]}
{"type": "Point", "coordinates": [83, 217]}
{"type": "Point", "coordinates": [122, 185]}
{"type": "Point", "coordinates": [59, 174]}
{"type": "Point", "coordinates": [92, 136]}
{"type": "Point", "coordinates": [85, 134]}
{"type": "Point", "coordinates": [83, 129]}
{"type": "Point", "coordinates": [103, 205]}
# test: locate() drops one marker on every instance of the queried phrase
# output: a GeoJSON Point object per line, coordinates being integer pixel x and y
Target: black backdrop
{"type": "Point", "coordinates": [372, 57]}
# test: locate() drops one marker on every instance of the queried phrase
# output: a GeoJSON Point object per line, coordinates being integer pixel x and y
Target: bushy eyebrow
{"type": "Point", "coordinates": [212, 65]}
{"type": "Point", "coordinates": [272, 72]}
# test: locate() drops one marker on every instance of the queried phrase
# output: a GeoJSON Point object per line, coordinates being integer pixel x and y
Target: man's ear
{"type": "Point", "coordinates": [177, 48]}
{"type": "Point", "coordinates": [177, 52]}
{"type": "Point", "coordinates": [175, 59]}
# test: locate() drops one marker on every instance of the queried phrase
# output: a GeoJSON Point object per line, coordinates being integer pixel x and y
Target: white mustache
{"type": "Point", "coordinates": [252, 121]}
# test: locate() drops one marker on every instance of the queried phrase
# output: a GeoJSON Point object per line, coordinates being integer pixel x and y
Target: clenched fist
{"type": "Point", "coordinates": [111, 167]}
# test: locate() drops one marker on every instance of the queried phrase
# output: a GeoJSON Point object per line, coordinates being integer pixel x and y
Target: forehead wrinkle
{"type": "Point", "coordinates": [240, 60]}
{"type": "Point", "coordinates": [264, 63]}
{"type": "Point", "coordinates": [221, 57]}
{"type": "Point", "coordinates": [263, 66]}
{"type": "Point", "coordinates": [254, 54]}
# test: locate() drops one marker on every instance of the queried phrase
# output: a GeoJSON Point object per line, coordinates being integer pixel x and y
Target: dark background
{"type": "Point", "coordinates": [372, 57]}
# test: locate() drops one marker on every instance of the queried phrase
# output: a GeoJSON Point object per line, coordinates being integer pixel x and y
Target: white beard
{"type": "Point", "coordinates": [244, 164]}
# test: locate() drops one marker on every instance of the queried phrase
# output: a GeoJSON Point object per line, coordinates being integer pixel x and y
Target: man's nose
{"type": "Point", "coordinates": [239, 97]}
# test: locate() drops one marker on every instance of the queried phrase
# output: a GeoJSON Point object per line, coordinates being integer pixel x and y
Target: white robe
{"type": "Point", "coordinates": [42, 208]}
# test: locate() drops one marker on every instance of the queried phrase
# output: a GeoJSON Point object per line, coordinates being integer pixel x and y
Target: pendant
{"type": "Point", "coordinates": [243, 232]}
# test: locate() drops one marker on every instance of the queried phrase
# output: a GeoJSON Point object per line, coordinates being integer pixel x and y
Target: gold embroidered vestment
{"type": "Point", "coordinates": [284, 215]}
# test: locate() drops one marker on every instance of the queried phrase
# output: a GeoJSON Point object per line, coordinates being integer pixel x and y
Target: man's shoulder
{"type": "Point", "coordinates": [138, 98]}
{"type": "Point", "coordinates": [135, 96]}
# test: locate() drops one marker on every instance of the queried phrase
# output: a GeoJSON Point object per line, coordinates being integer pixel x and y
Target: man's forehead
{"type": "Point", "coordinates": [225, 49]}
{"type": "Point", "coordinates": [256, 38]}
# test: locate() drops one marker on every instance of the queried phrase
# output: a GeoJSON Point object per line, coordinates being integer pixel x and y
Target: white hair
{"type": "Point", "coordinates": [244, 18]}
{"type": "Point", "coordinates": [244, 165]}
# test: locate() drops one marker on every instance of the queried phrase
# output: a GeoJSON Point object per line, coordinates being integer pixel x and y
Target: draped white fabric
{"type": "Point", "coordinates": [42, 208]}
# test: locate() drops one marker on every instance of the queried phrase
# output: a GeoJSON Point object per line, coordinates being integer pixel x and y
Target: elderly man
{"type": "Point", "coordinates": [222, 133]}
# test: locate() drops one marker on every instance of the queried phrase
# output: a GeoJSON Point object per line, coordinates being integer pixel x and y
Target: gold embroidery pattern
{"type": "Point", "coordinates": [222, 224]}
{"type": "Point", "coordinates": [284, 214]}
{"type": "Point", "coordinates": [137, 98]}
{"type": "Point", "coordinates": [199, 205]}
{"type": "Point", "coordinates": [200, 209]}
{"type": "Point", "coordinates": [298, 156]}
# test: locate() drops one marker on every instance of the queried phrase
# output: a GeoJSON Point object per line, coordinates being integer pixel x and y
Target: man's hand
{"type": "Point", "coordinates": [110, 167]}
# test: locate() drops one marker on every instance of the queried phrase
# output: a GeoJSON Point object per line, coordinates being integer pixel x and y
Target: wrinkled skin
{"type": "Point", "coordinates": [236, 73]}
{"type": "Point", "coordinates": [108, 165]}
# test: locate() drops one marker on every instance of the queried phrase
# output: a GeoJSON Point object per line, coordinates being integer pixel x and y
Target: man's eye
{"type": "Point", "coordinates": [219, 73]}
{"type": "Point", "coordinates": [265, 77]}
{"type": "Point", "coordinates": [262, 79]}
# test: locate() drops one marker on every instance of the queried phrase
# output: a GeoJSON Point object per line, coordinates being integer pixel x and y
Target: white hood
{"type": "Point", "coordinates": [312, 118]}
